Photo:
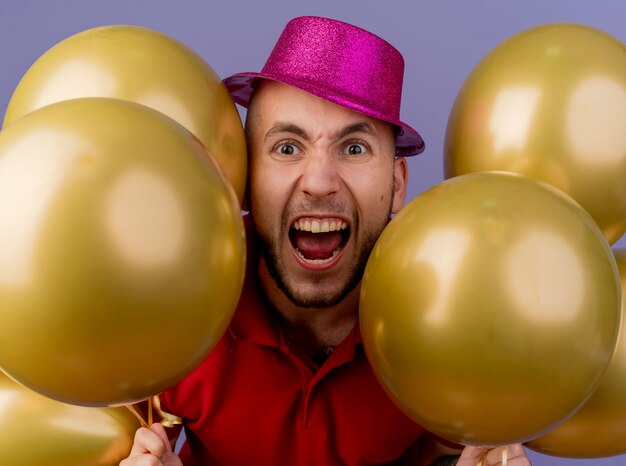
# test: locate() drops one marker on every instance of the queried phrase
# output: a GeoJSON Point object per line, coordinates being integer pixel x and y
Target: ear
{"type": "Point", "coordinates": [400, 176]}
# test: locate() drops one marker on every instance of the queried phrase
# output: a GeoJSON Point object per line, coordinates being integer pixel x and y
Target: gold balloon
{"type": "Point", "coordinates": [599, 428]}
{"type": "Point", "coordinates": [550, 103]}
{"type": "Point", "coordinates": [122, 251]}
{"type": "Point", "coordinates": [38, 431]}
{"type": "Point", "coordinates": [143, 66]}
{"type": "Point", "coordinates": [490, 308]}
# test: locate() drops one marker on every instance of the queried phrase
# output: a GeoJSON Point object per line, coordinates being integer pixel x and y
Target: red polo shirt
{"type": "Point", "coordinates": [253, 402]}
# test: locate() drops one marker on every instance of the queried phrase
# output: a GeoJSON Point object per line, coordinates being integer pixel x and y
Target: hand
{"type": "Point", "coordinates": [152, 448]}
{"type": "Point", "coordinates": [492, 456]}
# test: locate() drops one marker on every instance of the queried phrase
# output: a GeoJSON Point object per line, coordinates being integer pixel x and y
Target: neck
{"type": "Point", "coordinates": [311, 330]}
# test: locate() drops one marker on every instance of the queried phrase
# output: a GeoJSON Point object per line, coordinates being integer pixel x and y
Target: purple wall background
{"type": "Point", "coordinates": [441, 41]}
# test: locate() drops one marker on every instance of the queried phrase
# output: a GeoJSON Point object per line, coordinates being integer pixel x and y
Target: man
{"type": "Point", "coordinates": [289, 382]}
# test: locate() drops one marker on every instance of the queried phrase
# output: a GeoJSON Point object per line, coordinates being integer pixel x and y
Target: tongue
{"type": "Point", "coordinates": [317, 245]}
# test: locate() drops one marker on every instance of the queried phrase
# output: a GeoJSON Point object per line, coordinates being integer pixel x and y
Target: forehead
{"type": "Point", "coordinates": [276, 102]}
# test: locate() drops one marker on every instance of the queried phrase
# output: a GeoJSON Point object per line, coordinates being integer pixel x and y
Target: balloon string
{"type": "Point", "coordinates": [154, 404]}
{"type": "Point", "coordinates": [150, 413]}
{"type": "Point", "coordinates": [133, 410]}
{"type": "Point", "coordinates": [166, 419]}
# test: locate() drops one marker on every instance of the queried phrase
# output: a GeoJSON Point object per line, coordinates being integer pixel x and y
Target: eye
{"type": "Point", "coordinates": [288, 149]}
{"type": "Point", "coordinates": [355, 149]}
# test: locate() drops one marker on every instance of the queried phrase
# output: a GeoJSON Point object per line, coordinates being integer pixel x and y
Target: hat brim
{"type": "Point", "coordinates": [241, 85]}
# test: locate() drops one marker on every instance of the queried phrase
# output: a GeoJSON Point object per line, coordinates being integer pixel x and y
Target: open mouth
{"type": "Point", "coordinates": [318, 240]}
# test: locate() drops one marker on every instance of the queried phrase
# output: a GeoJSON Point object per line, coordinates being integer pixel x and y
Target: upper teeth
{"type": "Point", "coordinates": [317, 226]}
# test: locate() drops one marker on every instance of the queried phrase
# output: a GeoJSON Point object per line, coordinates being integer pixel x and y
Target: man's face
{"type": "Point", "coordinates": [323, 183]}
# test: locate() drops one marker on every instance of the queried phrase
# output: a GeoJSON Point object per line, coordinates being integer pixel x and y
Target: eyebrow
{"type": "Point", "coordinates": [286, 128]}
{"type": "Point", "coordinates": [360, 127]}
{"type": "Point", "coordinates": [281, 127]}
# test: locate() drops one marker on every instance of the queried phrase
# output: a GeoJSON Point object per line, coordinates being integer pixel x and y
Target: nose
{"type": "Point", "coordinates": [319, 178]}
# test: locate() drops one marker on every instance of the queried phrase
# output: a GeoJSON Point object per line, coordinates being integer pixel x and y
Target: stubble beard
{"type": "Point", "coordinates": [269, 250]}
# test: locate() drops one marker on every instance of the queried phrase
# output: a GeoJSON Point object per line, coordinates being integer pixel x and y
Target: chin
{"type": "Point", "coordinates": [318, 299]}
